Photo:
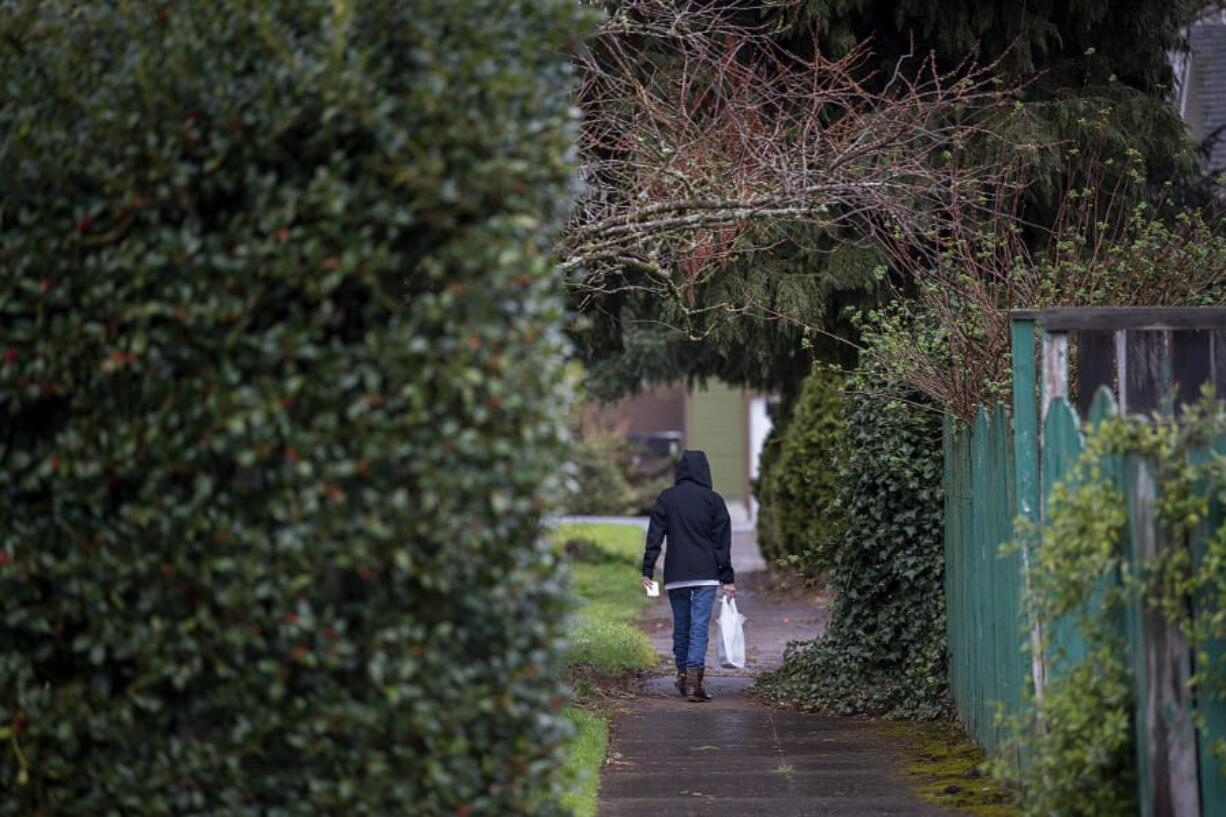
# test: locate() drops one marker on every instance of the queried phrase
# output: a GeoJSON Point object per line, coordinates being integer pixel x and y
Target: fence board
{"type": "Point", "coordinates": [1012, 657]}
{"type": "Point", "coordinates": [1146, 372]}
{"type": "Point", "coordinates": [1095, 365]}
{"type": "Point", "coordinates": [1166, 740]}
{"type": "Point", "coordinates": [1190, 364]}
{"type": "Point", "coordinates": [984, 668]}
{"type": "Point", "coordinates": [1026, 460]}
{"type": "Point", "coordinates": [988, 664]}
{"type": "Point", "coordinates": [1210, 705]}
{"type": "Point", "coordinates": [1062, 444]}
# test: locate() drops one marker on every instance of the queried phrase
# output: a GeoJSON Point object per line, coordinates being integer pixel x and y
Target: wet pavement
{"type": "Point", "coordinates": [735, 756]}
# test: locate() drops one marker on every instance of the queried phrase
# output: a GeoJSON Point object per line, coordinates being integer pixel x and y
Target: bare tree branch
{"type": "Point", "coordinates": [702, 138]}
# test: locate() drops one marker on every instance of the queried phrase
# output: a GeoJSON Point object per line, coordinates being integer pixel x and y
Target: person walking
{"type": "Point", "coordinates": [699, 559]}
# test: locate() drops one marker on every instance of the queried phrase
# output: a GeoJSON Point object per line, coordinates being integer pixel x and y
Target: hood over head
{"type": "Point", "coordinates": [694, 467]}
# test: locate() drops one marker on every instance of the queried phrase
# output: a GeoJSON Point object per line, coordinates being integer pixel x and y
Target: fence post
{"type": "Point", "coordinates": [1055, 368]}
{"type": "Point", "coordinates": [1026, 461]}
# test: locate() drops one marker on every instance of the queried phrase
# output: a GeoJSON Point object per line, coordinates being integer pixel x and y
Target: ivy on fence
{"type": "Point", "coordinates": [1082, 760]}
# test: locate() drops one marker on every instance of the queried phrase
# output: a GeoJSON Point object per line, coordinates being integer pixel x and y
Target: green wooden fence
{"type": "Point", "coordinates": [988, 667]}
{"type": "Point", "coordinates": [1001, 470]}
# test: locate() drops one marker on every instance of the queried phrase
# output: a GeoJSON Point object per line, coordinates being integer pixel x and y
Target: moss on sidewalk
{"type": "Point", "coordinates": [946, 769]}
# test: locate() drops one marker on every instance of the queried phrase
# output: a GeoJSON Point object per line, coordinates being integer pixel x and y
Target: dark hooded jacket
{"type": "Point", "coordinates": [695, 520]}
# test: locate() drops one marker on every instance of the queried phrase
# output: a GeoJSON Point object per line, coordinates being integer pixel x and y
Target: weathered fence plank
{"type": "Point", "coordinates": [1026, 461]}
{"type": "Point", "coordinates": [988, 663]}
{"type": "Point", "coordinates": [1095, 366]}
{"type": "Point", "coordinates": [1217, 364]}
{"type": "Point", "coordinates": [1013, 658]}
{"type": "Point", "coordinates": [1055, 370]}
{"type": "Point", "coordinates": [1145, 373]}
{"type": "Point", "coordinates": [1165, 734]}
{"type": "Point", "coordinates": [1062, 445]}
{"type": "Point", "coordinates": [1190, 363]}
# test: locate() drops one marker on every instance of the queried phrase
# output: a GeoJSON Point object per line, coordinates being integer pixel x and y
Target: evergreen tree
{"type": "Point", "coordinates": [1096, 74]}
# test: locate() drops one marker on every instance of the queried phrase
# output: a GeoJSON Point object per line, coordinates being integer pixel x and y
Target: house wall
{"type": "Point", "coordinates": [652, 411]}
{"type": "Point", "coordinates": [728, 423]}
{"type": "Point", "coordinates": [717, 423]}
{"type": "Point", "coordinates": [760, 424]}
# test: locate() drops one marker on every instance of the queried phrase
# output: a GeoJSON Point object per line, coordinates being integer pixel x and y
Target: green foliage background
{"type": "Point", "coordinates": [601, 485]}
{"type": "Point", "coordinates": [615, 476]}
{"type": "Point", "coordinates": [280, 381]}
{"type": "Point", "coordinates": [884, 649]}
{"type": "Point", "coordinates": [796, 487]}
{"type": "Point", "coordinates": [1095, 75]}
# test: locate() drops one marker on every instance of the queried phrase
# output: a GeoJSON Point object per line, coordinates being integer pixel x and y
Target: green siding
{"type": "Point", "coordinates": [718, 426]}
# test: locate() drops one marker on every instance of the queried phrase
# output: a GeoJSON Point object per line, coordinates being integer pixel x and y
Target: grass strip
{"type": "Point", "coordinates": [587, 754]}
{"type": "Point", "coordinates": [606, 646]}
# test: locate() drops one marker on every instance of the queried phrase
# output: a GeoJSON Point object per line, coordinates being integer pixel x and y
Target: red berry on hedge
{"type": "Point", "coordinates": [10, 355]}
{"type": "Point", "coordinates": [84, 225]}
{"type": "Point", "coordinates": [291, 455]}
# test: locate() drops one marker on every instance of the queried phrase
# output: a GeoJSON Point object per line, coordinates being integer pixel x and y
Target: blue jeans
{"type": "Point", "coordinates": [691, 616]}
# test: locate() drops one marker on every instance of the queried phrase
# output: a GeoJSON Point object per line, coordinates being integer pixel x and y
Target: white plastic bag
{"type": "Point", "coordinates": [731, 644]}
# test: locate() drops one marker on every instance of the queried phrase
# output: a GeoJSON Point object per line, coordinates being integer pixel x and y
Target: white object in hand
{"type": "Point", "coordinates": [653, 590]}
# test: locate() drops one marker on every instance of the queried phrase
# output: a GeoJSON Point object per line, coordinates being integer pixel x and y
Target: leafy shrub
{"type": "Point", "coordinates": [280, 376]}
{"type": "Point", "coordinates": [601, 487]}
{"type": "Point", "coordinates": [769, 520]}
{"type": "Point", "coordinates": [884, 650]}
{"type": "Point", "coordinates": [615, 476]}
{"type": "Point", "coordinates": [804, 492]}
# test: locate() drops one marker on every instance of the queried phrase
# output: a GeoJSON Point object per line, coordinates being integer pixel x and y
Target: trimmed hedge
{"type": "Point", "coordinates": [796, 489]}
{"type": "Point", "coordinates": [281, 386]}
{"type": "Point", "coordinates": [769, 517]}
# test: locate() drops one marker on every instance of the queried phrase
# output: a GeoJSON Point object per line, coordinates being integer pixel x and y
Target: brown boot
{"type": "Point", "coordinates": [681, 683]}
{"type": "Point", "coordinates": [697, 694]}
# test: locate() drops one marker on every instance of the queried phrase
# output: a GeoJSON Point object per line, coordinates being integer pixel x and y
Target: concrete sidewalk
{"type": "Point", "coordinates": [735, 757]}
